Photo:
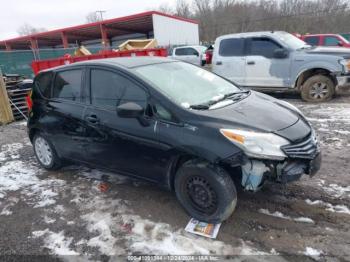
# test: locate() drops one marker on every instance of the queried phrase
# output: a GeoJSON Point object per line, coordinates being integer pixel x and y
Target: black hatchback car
{"type": "Point", "coordinates": [171, 123]}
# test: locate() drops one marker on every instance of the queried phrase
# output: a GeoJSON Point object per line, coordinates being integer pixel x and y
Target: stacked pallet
{"type": "Point", "coordinates": [13, 104]}
{"type": "Point", "coordinates": [6, 115]}
{"type": "Point", "coordinates": [17, 96]}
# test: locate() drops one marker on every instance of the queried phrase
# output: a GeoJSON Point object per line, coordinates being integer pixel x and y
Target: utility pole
{"type": "Point", "coordinates": [101, 12]}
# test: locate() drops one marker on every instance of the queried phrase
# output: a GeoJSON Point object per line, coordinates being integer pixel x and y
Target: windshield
{"type": "Point", "coordinates": [291, 40]}
{"type": "Point", "coordinates": [186, 84]}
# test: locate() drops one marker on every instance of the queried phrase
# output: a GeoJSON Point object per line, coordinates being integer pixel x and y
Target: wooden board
{"type": "Point", "coordinates": [6, 115]}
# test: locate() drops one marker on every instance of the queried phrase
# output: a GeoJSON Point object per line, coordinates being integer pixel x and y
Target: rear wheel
{"type": "Point", "coordinates": [46, 153]}
{"type": "Point", "coordinates": [205, 191]}
{"type": "Point", "coordinates": [318, 88]}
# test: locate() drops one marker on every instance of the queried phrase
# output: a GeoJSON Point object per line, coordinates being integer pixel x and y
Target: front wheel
{"type": "Point", "coordinates": [45, 153]}
{"type": "Point", "coordinates": [318, 88]}
{"type": "Point", "coordinates": [206, 192]}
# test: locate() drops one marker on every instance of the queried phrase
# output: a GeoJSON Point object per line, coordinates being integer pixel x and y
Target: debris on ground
{"type": "Point", "coordinates": [202, 228]}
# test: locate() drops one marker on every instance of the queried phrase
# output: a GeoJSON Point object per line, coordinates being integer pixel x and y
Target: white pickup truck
{"type": "Point", "coordinates": [279, 61]}
{"type": "Point", "coordinates": [194, 54]}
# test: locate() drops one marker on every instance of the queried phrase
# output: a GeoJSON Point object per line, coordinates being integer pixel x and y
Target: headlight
{"type": "Point", "coordinates": [346, 65]}
{"type": "Point", "coordinates": [257, 145]}
{"type": "Point", "coordinates": [290, 106]}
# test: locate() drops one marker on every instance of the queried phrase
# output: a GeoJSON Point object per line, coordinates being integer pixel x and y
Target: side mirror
{"type": "Point", "coordinates": [130, 110]}
{"type": "Point", "coordinates": [280, 53]}
{"type": "Point", "coordinates": [340, 43]}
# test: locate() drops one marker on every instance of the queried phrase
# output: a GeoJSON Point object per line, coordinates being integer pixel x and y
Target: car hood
{"type": "Point", "coordinates": [258, 112]}
{"type": "Point", "coordinates": [338, 51]}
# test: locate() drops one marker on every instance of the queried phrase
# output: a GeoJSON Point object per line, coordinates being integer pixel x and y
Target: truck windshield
{"type": "Point", "coordinates": [291, 40]}
{"type": "Point", "coordinates": [186, 84]}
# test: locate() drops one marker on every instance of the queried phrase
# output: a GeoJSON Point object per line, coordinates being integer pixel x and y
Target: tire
{"type": "Point", "coordinates": [318, 88]}
{"type": "Point", "coordinates": [216, 196]}
{"type": "Point", "coordinates": [41, 144]}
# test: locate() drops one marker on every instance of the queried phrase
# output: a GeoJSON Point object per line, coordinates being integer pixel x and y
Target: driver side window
{"type": "Point", "coordinates": [163, 114]}
{"type": "Point", "coordinates": [109, 89]}
{"type": "Point", "coordinates": [263, 47]}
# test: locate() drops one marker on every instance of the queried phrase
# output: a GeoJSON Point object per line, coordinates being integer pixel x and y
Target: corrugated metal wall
{"type": "Point", "coordinates": [169, 31]}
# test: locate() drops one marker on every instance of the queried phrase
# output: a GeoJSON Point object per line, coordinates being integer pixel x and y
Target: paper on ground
{"type": "Point", "coordinates": [202, 228]}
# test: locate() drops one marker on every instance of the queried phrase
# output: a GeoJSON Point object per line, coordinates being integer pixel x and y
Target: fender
{"type": "Point", "coordinates": [320, 65]}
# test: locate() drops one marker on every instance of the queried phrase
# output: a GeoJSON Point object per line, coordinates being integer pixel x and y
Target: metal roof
{"type": "Point", "coordinates": [138, 23]}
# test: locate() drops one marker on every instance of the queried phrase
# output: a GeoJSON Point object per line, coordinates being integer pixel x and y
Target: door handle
{"type": "Point", "coordinates": [218, 63]}
{"type": "Point", "coordinates": [92, 119]}
{"type": "Point", "coordinates": [251, 63]}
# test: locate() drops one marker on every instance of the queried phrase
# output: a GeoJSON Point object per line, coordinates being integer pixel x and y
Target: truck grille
{"type": "Point", "coordinates": [307, 149]}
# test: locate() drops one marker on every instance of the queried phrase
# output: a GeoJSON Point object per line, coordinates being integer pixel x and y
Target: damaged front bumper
{"type": "Point", "coordinates": [256, 172]}
{"type": "Point", "coordinates": [302, 158]}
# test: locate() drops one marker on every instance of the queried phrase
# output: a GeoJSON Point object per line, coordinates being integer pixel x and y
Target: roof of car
{"type": "Point", "coordinates": [251, 34]}
{"type": "Point", "coordinates": [125, 62]}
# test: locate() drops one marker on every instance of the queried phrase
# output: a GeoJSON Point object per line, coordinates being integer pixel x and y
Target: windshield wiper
{"type": "Point", "coordinates": [233, 96]}
{"type": "Point", "coordinates": [200, 107]}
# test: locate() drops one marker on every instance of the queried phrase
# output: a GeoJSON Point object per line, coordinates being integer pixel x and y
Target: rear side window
{"type": "Point", "coordinates": [331, 41]}
{"type": "Point", "coordinates": [109, 89]}
{"type": "Point", "coordinates": [67, 85]}
{"type": "Point", "coordinates": [232, 47]}
{"type": "Point", "coordinates": [186, 51]}
{"type": "Point", "coordinates": [43, 83]}
{"type": "Point", "coordinates": [180, 51]}
{"type": "Point", "coordinates": [312, 40]}
{"type": "Point", "coordinates": [263, 47]}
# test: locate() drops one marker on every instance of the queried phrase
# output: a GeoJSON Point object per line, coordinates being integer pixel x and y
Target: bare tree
{"type": "Point", "coordinates": [166, 8]}
{"type": "Point", "coordinates": [27, 29]}
{"type": "Point", "coordinates": [218, 17]}
{"type": "Point", "coordinates": [183, 9]}
{"type": "Point", "coordinates": [92, 17]}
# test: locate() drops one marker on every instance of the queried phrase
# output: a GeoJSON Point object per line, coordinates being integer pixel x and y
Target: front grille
{"type": "Point", "coordinates": [307, 149]}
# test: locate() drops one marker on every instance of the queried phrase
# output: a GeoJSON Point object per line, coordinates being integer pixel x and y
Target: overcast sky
{"type": "Point", "coordinates": [54, 14]}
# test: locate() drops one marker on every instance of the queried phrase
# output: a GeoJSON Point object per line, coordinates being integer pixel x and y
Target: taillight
{"type": "Point", "coordinates": [29, 101]}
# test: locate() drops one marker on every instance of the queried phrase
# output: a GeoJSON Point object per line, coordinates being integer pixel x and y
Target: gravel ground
{"type": "Point", "coordinates": [81, 211]}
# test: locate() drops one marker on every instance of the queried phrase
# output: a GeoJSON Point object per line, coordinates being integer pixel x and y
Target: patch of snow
{"type": "Point", "coordinates": [329, 207]}
{"type": "Point", "coordinates": [158, 238]}
{"type": "Point", "coordinates": [335, 190]}
{"type": "Point", "coordinates": [311, 252]}
{"type": "Point", "coordinates": [59, 244]}
{"type": "Point", "coordinates": [16, 175]}
{"type": "Point", "coordinates": [59, 209]}
{"type": "Point", "coordinates": [10, 151]}
{"type": "Point", "coordinates": [21, 123]}
{"type": "Point", "coordinates": [6, 212]}
{"type": "Point", "coordinates": [273, 252]}
{"type": "Point", "coordinates": [49, 220]}
{"type": "Point", "coordinates": [40, 233]}
{"type": "Point", "coordinates": [280, 215]}
{"type": "Point", "coordinates": [304, 220]}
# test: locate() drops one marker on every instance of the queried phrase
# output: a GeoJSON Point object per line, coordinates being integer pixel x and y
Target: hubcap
{"type": "Point", "coordinates": [319, 90]}
{"type": "Point", "coordinates": [43, 151]}
{"type": "Point", "coordinates": [201, 194]}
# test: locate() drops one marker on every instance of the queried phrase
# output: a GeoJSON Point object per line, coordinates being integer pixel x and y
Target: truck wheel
{"type": "Point", "coordinates": [46, 153]}
{"type": "Point", "coordinates": [318, 88]}
{"type": "Point", "coordinates": [206, 192]}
